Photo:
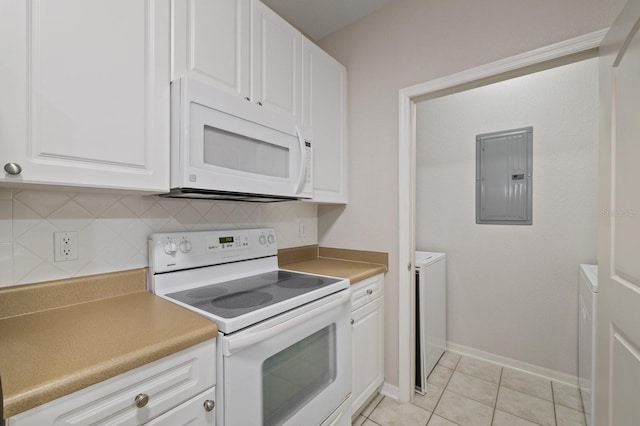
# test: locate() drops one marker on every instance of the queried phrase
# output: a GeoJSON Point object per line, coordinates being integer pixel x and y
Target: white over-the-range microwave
{"type": "Point", "coordinates": [223, 147]}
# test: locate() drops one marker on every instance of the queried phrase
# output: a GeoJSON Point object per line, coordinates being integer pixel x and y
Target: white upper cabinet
{"type": "Point", "coordinates": [325, 110]}
{"type": "Point", "coordinates": [240, 46]}
{"type": "Point", "coordinates": [277, 62]}
{"type": "Point", "coordinates": [211, 42]}
{"type": "Point", "coordinates": [243, 47]}
{"type": "Point", "coordinates": [85, 93]}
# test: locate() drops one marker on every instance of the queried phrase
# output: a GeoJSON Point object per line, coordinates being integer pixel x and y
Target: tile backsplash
{"type": "Point", "coordinates": [112, 229]}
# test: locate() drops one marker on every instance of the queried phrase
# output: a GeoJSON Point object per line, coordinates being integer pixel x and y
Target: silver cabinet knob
{"type": "Point", "coordinates": [259, 103]}
{"type": "Point", "coordinates": [246, 98]}
{"type": "Point", "coordinates": [141, 400]}
{"type": "Point", "coordinates": [209, 405]}
{"type": "Point", "coordinates": [352, 321]}
{"type": "Point", "coordinates": [370, 291]}
{"type": "Point", "coordinates": [13, 168]}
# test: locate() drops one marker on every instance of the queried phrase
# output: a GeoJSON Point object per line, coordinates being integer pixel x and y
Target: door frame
{"type": "Point", "coordinates": [535, 60]}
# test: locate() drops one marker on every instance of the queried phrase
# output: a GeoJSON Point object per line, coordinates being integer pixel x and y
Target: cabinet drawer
{"type": "Point", "coordinates": [366, 291]}
{"type": "Point", "coordinates": [192, 412]}
{"type": "Point", "coordinates": [166, 382]}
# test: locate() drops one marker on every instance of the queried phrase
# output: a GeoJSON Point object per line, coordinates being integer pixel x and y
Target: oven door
{"type": "Point", "coordinates": [291, 370]}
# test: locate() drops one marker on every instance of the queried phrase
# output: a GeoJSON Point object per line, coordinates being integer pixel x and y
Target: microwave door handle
{"type": "Point", "coordinates": [303, 163]}
{"type": "Point", "coordinates": [233, 344]}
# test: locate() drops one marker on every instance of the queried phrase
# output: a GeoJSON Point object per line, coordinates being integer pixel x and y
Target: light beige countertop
{"type": "Point", "coordinates": [62, 336]}
{"type": "Point", "coordinates": [356, 265]}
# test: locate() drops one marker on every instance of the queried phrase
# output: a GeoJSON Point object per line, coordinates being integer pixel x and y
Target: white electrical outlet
{"type": "Point", "coordinates": [65, 246]}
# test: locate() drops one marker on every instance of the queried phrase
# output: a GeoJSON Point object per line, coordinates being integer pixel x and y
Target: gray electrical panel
{"type": "Point", "coordinates": [503, 177]}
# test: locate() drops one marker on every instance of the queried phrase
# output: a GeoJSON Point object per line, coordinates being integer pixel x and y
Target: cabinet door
{"type": "Point", "coordinates": [211, 42]}
{"type": "Point", "coordinates": [367, 352]}
{"type": "Point", "coordinates": [324, 109]}
{"type": "Point", "coordinates": [276, 62]}
{"type": "Point", "coordinates": [199, 410]}
{"type": "Point", "coordinates": [85, 92]}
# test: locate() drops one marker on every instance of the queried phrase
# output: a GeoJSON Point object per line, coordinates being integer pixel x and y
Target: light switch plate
{"type": "Point", "coordinates": [302, 228]}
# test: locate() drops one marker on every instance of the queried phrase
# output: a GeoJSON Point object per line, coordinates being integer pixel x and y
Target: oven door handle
{"type": "Point", "coordinates": [233, 344]}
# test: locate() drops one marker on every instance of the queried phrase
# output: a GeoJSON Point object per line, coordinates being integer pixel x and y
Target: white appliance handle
{"type": "Point", "coordinates": [303, 162]}
{"type": "Point", "coordinates": [236, 343]}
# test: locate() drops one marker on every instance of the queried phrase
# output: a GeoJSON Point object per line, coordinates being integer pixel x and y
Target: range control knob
{"type": "Point", "coordinates": [185, 246]}
{"type": "Point", "coordinates": [170, 248]}
{"type": "Point", "coordinates": [262, 240]}
{"type": "Point", "coordinates": [271, 239]}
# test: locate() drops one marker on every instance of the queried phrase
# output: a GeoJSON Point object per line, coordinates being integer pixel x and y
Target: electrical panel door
{"type": "Point", "coordinates": [503, 177]}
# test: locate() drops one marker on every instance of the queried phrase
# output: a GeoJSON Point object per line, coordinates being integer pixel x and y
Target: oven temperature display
{"type": "Point", "coordinates": [227, 243]}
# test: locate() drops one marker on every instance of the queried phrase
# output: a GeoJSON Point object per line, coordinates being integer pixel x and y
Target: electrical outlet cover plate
{"type": "Point", "coordinates": [65, 246]}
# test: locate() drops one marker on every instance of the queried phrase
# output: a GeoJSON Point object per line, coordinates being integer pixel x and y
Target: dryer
{"type": "Point", "coordinates": [431, 313]}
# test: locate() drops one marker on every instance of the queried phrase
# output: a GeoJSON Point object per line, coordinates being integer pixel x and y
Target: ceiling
{"type": "Point", "coordinates": [318, 18]}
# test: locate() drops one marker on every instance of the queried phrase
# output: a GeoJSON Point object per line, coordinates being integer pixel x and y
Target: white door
{"type": "Point", "coordinates": [211, 42]}
{"type": "Point", "coordinates": [85, 92]}
{"type": "Point", "coordinates": [618, 350]}
{"type": "Point", "coordinates": [276, 62]}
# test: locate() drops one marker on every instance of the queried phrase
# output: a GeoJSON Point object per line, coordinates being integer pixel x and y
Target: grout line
{"type": "Point", "coordinates": [529, 393]}
{"type": "Point", "coordinates": [374, 408]}
{"type": "Point", "coordinates": [433, 412]}
{"type": "Point", "coordinates": [553, 401]}
{"type": "Point", "coordinates": [475, 400]}
{"type": "Point", "coordinates": [495, 405]}
{"type": "Point", "coordinates": [444, 389]}
{"type": "Point", "coordinates": [479, 378]}
{"type": "Point", "coordinates": [584, 412]}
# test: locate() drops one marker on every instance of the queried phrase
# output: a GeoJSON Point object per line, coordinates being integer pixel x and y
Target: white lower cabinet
{"type": "Point", "coordinates": [367, 324]}
{"type": "Point", "coordinates": [172, 390]}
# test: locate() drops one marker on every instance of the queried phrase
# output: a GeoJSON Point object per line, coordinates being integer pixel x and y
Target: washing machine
{"type": "Point", "coordinates": [587, 320]}
{"type": "Point", "coordinates": [431, 314]}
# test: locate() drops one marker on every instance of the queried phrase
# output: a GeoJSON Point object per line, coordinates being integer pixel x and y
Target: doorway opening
{"type": "Point", "coordinates": [553, 56]}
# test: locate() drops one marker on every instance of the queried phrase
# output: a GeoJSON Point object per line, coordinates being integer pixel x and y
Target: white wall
{"type": "Point", "coordinates": [410, 42]}
{"type": "Point", "coordinates": [113, 229]}
{"type": "Point", "coordinates": [513, 290]}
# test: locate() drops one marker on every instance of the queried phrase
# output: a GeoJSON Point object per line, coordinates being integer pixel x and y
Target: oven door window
{"type": "Point", "coordinates": [294, 376]}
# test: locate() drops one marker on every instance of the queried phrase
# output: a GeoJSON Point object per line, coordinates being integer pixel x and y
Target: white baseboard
{"type": "Point", "coordinates": [547, 373]}
{"type": "Point", "coordinates": [390, 390]}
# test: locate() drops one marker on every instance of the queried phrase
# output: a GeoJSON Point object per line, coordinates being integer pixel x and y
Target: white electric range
{"type": "Point", "coordinates": [284, 344]}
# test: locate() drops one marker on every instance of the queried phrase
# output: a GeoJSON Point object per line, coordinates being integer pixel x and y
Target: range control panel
{"type": "Point", "coordinates": [173, 251]}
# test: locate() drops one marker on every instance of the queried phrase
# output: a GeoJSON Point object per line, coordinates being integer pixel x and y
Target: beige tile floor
{"type": "Point", "coordinates": [467, 391]}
